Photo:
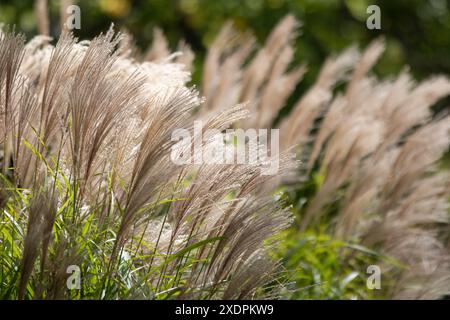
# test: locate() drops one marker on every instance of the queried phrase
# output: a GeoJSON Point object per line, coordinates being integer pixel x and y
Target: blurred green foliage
{"type": "Point", "coordinates": [320, 267]}
{"type": "Point", "coordinates": [417, 31]}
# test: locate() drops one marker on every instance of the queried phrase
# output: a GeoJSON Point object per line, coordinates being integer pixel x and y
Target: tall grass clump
{"type": "Point", "coordinates": [87, 178]}
{"type": "Point", "coordinates": [371, 152]}
{"type": "Point", "coordinates": [87, 182]}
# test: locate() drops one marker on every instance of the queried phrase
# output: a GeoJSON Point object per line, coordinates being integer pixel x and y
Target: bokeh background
{"type": "Point", "coordinates": [417, 31]}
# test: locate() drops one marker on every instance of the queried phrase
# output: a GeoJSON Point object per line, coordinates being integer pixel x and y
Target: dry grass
{"type": "Point", "coordinates": [100, 120]}
{"type": "Point", "coordinates": [86, 133]}
{"type": "Point", "coordinates": [376, 145]}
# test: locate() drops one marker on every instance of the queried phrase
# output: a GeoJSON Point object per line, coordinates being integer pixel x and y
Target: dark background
{"type": "Point", "coordinates": [417, 31]}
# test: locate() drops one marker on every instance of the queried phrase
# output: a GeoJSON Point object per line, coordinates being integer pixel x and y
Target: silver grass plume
{"type": "Point", "coordinates": [85, 123]}
{"type": "Point", "coordinates": [378, 141]}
